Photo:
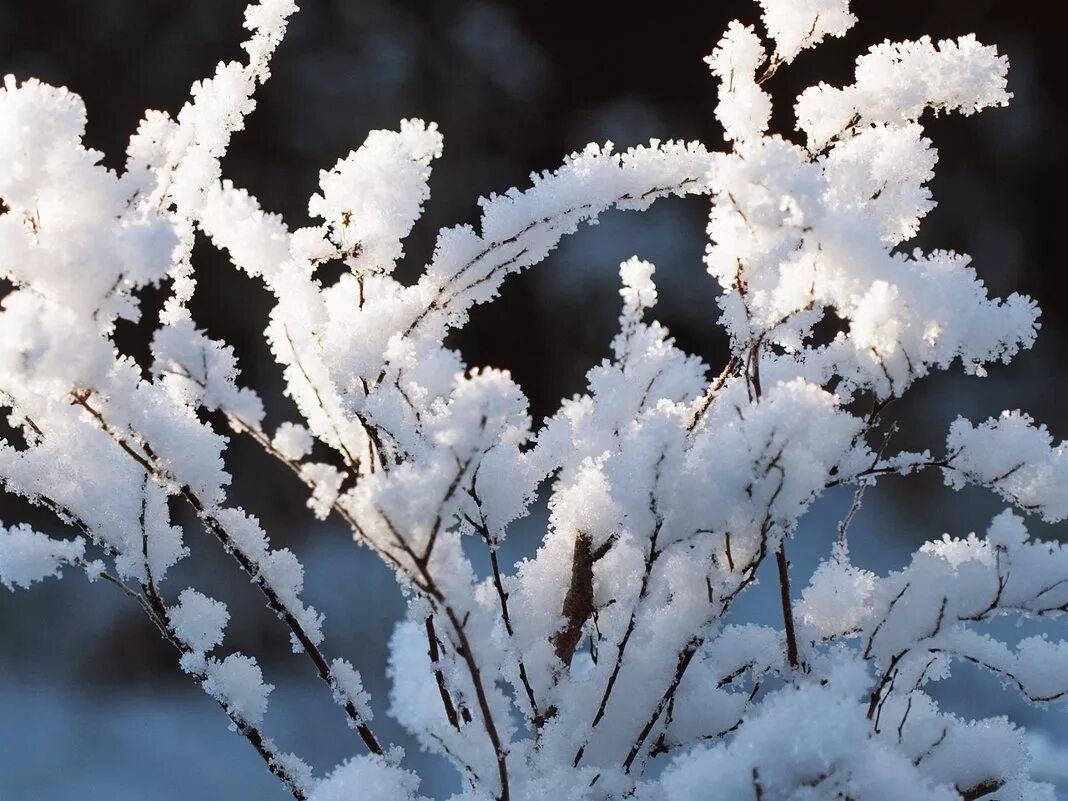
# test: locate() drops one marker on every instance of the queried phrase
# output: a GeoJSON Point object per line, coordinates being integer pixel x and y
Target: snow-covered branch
{"type": "Point", "coordinates": [609, 664]}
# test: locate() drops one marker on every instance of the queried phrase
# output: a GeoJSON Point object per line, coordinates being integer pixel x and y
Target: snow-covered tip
{"type": "Point", "coordinates": [744, 108]}
{"type": "Point", "coordinates": [267, 20]}
{"type": "Point", "coordinates": [1013, 457]}
{"type": "Point", "coordinates": [37, 121]}
{"type": "Point", "coordinates": [638, 290]}
{"type": "Point", "coordinates": [199, 371]}
{"type": "Point", "coordinates": [798, 24]}
{"type": "Point", "coordinates": [897, 81]}
{"type": "Point", "coordinates": [372, 197]}
{"type": "Point", "coordinates": [27, 556]}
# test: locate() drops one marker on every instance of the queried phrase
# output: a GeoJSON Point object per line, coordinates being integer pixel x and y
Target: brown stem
{"type": "Point", "coordinates": [578, 603]}
{"type": "Point", "coordinates": [780, 555]}
{"type": "Point", "coordinates": [787, 604]}
{"type": "Point", "coordinates": [650, 560]}
{"type": "Point", "coordinates": [753, 369]}
{"type": "Point", "coordinates": [946, 464]}
{"type": "Point", "coordinates": [435, 663]}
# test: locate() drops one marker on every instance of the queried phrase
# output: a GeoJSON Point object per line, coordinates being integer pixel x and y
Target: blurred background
{"type": "Point", "coordinates": [92, 704]}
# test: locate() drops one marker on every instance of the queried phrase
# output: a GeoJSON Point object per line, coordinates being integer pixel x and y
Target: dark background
{"type": "Point", "coordinates": [86, 691]}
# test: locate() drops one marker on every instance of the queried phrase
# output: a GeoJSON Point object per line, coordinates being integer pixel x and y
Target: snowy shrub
{"type": "Point", "coordinates": [607, 665]}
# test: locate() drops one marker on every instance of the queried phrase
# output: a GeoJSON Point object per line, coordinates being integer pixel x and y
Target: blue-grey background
{"type": "Point", "coordinates": [93, 706]}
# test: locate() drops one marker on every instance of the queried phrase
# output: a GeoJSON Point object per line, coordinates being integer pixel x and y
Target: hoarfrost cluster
{"type": "Point", "coordinates": [606, 665]}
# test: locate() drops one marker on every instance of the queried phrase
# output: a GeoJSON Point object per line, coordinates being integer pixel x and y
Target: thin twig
{"type": "Point", "coordinates": [787, 604]}
{"type": "Point", "coordinates": [434, 652]}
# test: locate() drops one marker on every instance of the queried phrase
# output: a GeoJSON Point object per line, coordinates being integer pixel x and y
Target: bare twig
{"type": "Point", "coordinates": [434, 652]}
{"type": "Point", "coordinates": [787, 604]}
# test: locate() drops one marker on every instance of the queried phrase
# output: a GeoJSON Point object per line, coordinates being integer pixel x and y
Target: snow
{"type": "Point", "coordinates": [27, 556]}
{"type": "Point", "coordinates": [237, 683]}
{"type": "Point", "coordinates": [670, 490]}
{"type": "Point", "coordinates": [199, 621]}
{"type": "Point", "coordinates": [376, 779]}
{"type": "Point", "coordinates": [292, 441]}
{"type": "Point", "coordinates": [798, 24]}
{"type": "Point", "coordinates": [744, 108]}
{"type": "Point", "coordinates": [372, 198]}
